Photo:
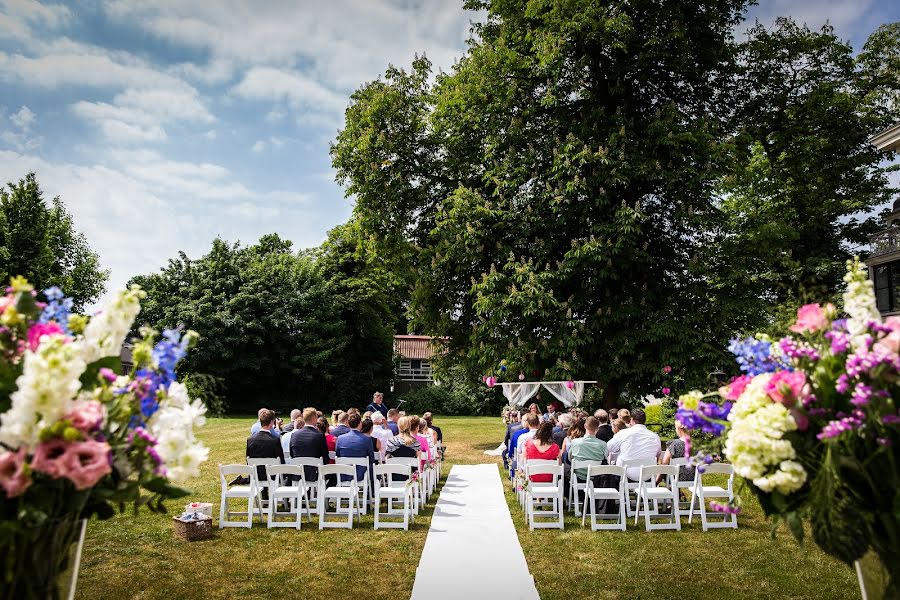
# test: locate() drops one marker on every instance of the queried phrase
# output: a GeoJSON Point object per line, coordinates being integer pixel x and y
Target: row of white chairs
{"type": "Point", "coordinates": [543, 501]}
{"type": "Point", "coordinates": [287, 485]}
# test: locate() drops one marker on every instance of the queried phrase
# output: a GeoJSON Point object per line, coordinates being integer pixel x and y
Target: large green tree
{"type": "Point", "coordinates": [278, 328]}
{"type": "Point", "coordinates": [40, 242]}
{"type": "Point", "coordinates": [551, 193]}
{"type": "Point", "coordinates": [800, 195]}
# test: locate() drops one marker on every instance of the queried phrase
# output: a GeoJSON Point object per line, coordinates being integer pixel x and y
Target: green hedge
{"type": "Point", "coordinates": [456, 395]}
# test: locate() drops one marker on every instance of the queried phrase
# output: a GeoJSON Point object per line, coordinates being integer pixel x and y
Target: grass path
{"type": "Point", "coordinates": [128, 557]}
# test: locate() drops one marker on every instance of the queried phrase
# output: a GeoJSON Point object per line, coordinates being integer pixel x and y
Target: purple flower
{"type": "Point", "coordinates": [861, 395]}
{"type": "Point", "coordinates": [840, 341]}
{"type": "Point", "coordinates": [891, 420]}
{"type": "Point", "coordinates": [885, 442]}
{"type": "Point", "coordinates": [843, 384]}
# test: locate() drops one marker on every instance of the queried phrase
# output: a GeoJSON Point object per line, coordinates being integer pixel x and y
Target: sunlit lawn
{"type": "Point", "coordinates": [130, 557]}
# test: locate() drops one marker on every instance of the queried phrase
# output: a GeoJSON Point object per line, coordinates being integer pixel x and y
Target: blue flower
{"type": "Point", "coordinates": [754, 356]}
{"type": "Point", "coordinates": [58, 308]}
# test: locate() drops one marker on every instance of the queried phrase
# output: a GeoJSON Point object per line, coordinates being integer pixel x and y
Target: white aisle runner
{"type": "Point", "coordinates": [472, 550]}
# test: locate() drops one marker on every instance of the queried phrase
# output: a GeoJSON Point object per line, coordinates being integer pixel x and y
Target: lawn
{"type": "Point", "coordinates": [128, 557]}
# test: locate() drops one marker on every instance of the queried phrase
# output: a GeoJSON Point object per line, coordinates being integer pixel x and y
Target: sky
{"type": "Point", "coordinates": [162, 124]}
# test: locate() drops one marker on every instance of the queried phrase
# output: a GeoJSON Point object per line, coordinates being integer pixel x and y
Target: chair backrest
{"type": "Point", "coordinates": [601, 469]}
{"type": "Point", "coordinates": [679, 462]}
{"type": "Point", "coordinates": [359, 462]}
{"type": "Point", "coordinates": [390, 471]}
{"type": "Point", "coordinates": [256, 462]}
{"type": "Point", "coordinates": [274, 471]}
{"type": "Point", "coordinates": [348, 470]}
{"type": "Point", "coordinates": [718, 469]}
{"type": "Point", "coordinates": [554, 469]}
{"type": "Point", "coordinates": [648, 472]}
{"type": "Point", "coordinates": [305, 461]}
{"type": "Point", "coordinates": [399, 460]}
{"type": "Point", "coordinates": [226, 471]}
{"type": "Point", "coordinates": [332, 454]}
{"type": "Point", "coordinates": [638, 462]}
{"type": "Point", "coordinates": [533, 462]}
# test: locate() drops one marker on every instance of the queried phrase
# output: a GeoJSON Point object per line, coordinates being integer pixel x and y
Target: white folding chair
{"type": "Point", "coordinates": [632, 486]}
{"type": "Point", "coordinates": [413, 464]}
{"type": "Point", "coordinates": [246, 492]}
{"type": "Point", "coordinates": [702, 492]}
{"type": "Point", "coordinates": [391, 491]}
{"type": "Point", "coordinates": [291, 487]}
{"type": "Point", "coordinates": [312, 484]}
{"type": "Point", "coordinates": [593, 494]}
{"type": "Point", "coordinates": [683, 484]}
{"type": "Point", "coordinates": [363, 483]}
{"type": "Point", "coordinates": [539, 494]}
{"type": "Point", "coordinates": [267, 484]}
{"type": "Point", "coordinates": [339, 493]}
{"type": "Point", "coordinates": [576, 486]}
{"type": "Point", "coordinates": [332, 455]}
{"type": "Point", "coordinates": [648, 492]}
{"type": "Point", "coordinates": [535, 462]}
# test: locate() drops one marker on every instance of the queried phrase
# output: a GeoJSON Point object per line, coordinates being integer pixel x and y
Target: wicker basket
{"type": "Point", "coordinates": [191, 531]}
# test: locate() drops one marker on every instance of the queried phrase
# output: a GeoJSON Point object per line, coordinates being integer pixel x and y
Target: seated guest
{"type": "Point", "coordinates": [576, 431]}
{"type": "Point", "coordinates": [635, 442]}
{"type": "Point", "coordinates": [552, 410]}
{"type": "Point", "coordinates": [403, 445]}
{"type": "Point", "coordinates": [604, 432]}
{"type": "Point", "coordinates": [625, 415]}
{"type": "Point", "coordinates": [613, 414]}
{"type": "Point", "coordinates": [541, 447]}
{"type": "Point", "coordinates": [273, 431]}
{"type": "Point", "coordinates": [675, 449]}
{"type": "Point", "coordinates": [295, 421]}
{"type": "Point", "coordinates": [587, 447]}
{"type": "Point", "coordinates": [393, 415]}
{"type": "Point", "coordinates": [430, 438]}
{"type": "Point", "coordinates": [342, 426]}
{"type": "Point", "coordinates": [263, 444]}
{"type": "Point", "coordinates": [377, 404]}
{"type": "Point", "coordinates": [335, 415]}
{"type": "Point", "coordinates": [309, 442]}
{"type": "Point", "coordinates": [535, 410]}
{"type": "Point", "coordinates": [531, 421]}
{"type": "Point", "coordinates": [354, 444]}
{"type": "Point", "coordinates": [565, 421]}
{"type": "Point", "coordinates": [514, 423]}
{"type": "Point", "coordinates": [367, 428]}
{"type": "Point", "coordinates": [617, 426]}
{"type": "Point", "coordinates": [381, 432]}
{"type": "Point", "coordinates": [330, 440]}
{"type": "Point", "coordinates": [353, 411]}
{"type": "Point", "coordinates": [415, 428]}
{"type": "Point", "coordinates": [437, 430]}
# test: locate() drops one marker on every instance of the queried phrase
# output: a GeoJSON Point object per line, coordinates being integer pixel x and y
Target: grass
{"type": "Point", "coordinates": [128, 557]}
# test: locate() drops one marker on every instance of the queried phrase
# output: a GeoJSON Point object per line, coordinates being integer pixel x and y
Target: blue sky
{"type": "Point", "coordinates": [164, 123]}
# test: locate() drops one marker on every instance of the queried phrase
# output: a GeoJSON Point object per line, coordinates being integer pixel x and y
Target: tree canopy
{"type": "Point", "coordinates": [40, 242]}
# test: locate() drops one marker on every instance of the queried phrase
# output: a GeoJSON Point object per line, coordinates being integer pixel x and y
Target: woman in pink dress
{"type": "Point", "coordinates": [423, 441]}
{"type": "Point", "coordinates": [542, 447]}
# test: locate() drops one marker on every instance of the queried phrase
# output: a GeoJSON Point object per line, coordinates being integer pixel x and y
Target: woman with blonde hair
{"type": "Point", "coordinates": [404, 444]}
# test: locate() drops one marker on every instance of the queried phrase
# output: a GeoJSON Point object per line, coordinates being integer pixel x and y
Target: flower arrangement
{"type": "Point", "coordinates": [76, 437]}
{"type": "Point", "coordinates": [812, 426]}
{"type": "Point", "coordinates": [413, 479]}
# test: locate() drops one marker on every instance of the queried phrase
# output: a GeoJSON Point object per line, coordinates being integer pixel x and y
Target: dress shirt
{"type": "Point", "coordinates": [339, 430]}
{"type": "Point", "coordinates": [518, 441]}
{"type": "Point", "coordinates": [257, 427]}
{"type": "Point", "coordinates": [632, 443]}
{"type": "Point", "coordinates": [383, 436]}
{"type": "Point", "coordinates": [393, 427]}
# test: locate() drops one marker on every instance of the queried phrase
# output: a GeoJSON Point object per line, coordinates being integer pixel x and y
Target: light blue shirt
{"type": "Point", "coordinates": [256, 427]}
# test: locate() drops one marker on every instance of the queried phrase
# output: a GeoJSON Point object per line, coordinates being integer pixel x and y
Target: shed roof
{"type": "Point", "coordinates": [416, 347]}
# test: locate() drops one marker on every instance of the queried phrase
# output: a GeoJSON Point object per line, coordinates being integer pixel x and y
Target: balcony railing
{"type": "Point", "coordinates": [885, 241]}
{"type": "Point", "coordinates": [423, 374]}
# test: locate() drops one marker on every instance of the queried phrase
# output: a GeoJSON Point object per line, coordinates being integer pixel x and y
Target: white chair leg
{"type": "Point", "coordinates": [222, 505]}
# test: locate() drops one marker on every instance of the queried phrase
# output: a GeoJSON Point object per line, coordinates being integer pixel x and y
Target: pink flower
{"type": "Point", "coordinates": [39, 330]}
{"type": "Point", "coordinates": [800, 419]}
{"type": "Point", "coordinates": [86, 463]}
{"type": "Point", "coordinates": [108, 374]}
{"type": "Point", "coordinates": [14, 476]}
{"type": "Point", "coordinates": [490, 380]}
{"type": "Point", "coordinates": [811, 318]}
{"type": "Point", "coordinates": [570, 384]}
{"type": "Point", "coordinates": [86, 415]}
{"type": "Point", "coordinates": [737, 387]}
{"type": "Point", "coordinates": [785, 387]}
{"type": "Point", "coordinates": [891, 342]}
{"type": "Point", "coordinates": [666, 391]}
{"type": "Point", "coordinates": [46, 458]}
{"type": "Point", "coordinates": [667, 369]}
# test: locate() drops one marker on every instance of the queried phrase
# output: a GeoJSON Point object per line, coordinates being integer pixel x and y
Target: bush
{"type": "Point", "coordinates": [456, 395]}
{"type": "Point", "coordinates": [209, 389]}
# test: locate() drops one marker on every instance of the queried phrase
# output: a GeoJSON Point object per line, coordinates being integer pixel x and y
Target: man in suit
{"type": "Point", "coordinates": [309, 442]}
{"type": "Point", "coordinates": [393, 415]}
{"type": "Point", "coordinates": [377, 404]}
{"type": "Point", "coordinates": [605, 431]}
{"type": "Point", "coordinates": [295, 421]}
{"type": "Point", "coordinates": [263, 444]}
{"type": "Point", "coordinates": [514, 425]}
{"type": "Point", "coordinates": [273, 431]}
{"type": "Point", "coordinates": [341, 428]}
{"type": "Point", "coordinates": [355, 444]}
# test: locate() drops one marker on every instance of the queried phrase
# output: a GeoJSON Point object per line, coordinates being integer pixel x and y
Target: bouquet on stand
{"type": "Point", "coordinates": [813, 428]}
{"type": "Point", "coordinates": [77, 438]}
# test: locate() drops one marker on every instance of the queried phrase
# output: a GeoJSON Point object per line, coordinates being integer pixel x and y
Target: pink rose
{"type": "Point", "coordinates": [667, 369]}
{"type": "Point", "coordinates": [86, 415]}
{"type": "Point", "coordinates": [737, 386]}
{"type": "Point", "coordinates": [86, 463]}
{"type": "Point", "coordinates": [39, 330]}
{"type": "Point", "coordinates": [666, 391]}
{"type": "Point", "coordinates": [14, 478]}
{"type": "Point", "coordinates": [785, 387]}
{"type": "Point", "coordinates": [891, 342]}
{"type": "Point", "coordinates": [46, 458]}
{"type": "Point", "coordinates": [811, 318]}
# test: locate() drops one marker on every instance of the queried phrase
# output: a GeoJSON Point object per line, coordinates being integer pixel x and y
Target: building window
{"type": "Point", "coordinates": [887, 286]}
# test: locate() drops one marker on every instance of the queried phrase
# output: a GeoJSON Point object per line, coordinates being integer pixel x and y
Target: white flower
{"type": "Point", "coordinates": [789, 477]}
{"type": "Point", "coordinates": [859, 303]}
{"type": "Point", "coordinates": [173, 427]}
{"type": "Point", "coordinates": [106, 331]}
{"type": "Point", "coordinates": [45, 391]}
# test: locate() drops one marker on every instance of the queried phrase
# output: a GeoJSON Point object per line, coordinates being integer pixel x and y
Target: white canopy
{"type": "Point", "coordinates": [520, 392]}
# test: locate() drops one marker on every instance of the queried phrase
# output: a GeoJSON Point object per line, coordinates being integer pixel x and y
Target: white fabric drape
{"type": "Point", "coordinates": [518, 394]}
{"type": "Point", "coordinates": [569, 397]}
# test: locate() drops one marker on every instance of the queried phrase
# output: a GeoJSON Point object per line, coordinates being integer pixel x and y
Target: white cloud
{"type": "Point", "coordinates": [215, 72]}
{"type": "Point", "coordinates": [210, 135]}
{"type": "Point", "coordinates": [170, 104]}
{"type": "Point", "coordinates": [23, 118]}
{"type": "Point", "coordinates": [18, 16]}
{"type": "Point", "coordinates": [121, 124]}
{"type": "Point", "coordinates": [846, 16]}
{"type": "Point", "coordinates": [268, 83]}
{"type": "Point", "coordinates": [258, 146]}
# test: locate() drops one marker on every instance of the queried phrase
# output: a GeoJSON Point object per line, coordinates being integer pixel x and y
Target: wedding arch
{"type": "Point", "coordinates": [520, 392]}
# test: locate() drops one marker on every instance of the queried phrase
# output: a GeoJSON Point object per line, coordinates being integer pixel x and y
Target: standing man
{"type": "Point", "coordinates": [377, 404]}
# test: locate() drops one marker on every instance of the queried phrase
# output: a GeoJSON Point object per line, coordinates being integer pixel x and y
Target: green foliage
{"type": "Point", "coordinates": [40, 243]}
{"type": "Point", "coordinates": [667, 417]}
{"type": "Point", "coordinates": [456, 395]}
{"type": "Point", "coordinates": [210, 390]}
{"type": "Point", "coordinates": [277, 328]}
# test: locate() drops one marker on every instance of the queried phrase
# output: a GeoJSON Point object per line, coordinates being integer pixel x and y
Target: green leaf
{"type": "Point", "coordinates": [91, 376]}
